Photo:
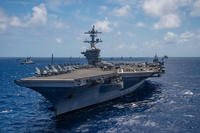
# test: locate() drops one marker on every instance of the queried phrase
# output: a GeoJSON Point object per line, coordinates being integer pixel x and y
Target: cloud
{"type": "Point", "coordinates": [60, 25]}
{"type": "Point", "coordinates": [103, 8]}
{"type": "Point", "coordinates": [196, 8]}
{"type": "Point", "coordinates": [3, 21]}
{"type": "Point", "coordinates": [6, 21]}
{"type": "Point", "coordinates": [55, 5]}
{"type": "Point", "coordinates": [186, 36]}
{"type": "Point", "coordinates": [120, 46]}
{"type": "Point", "coordinates": [181, 38]}
{"type": "Point", "coordinates": [39, 15]}
{"type": "Point", "coordinates": [133, 46]}
{"type": "Point", "coordinates": [122, 11]}
{"type": "Point", "coordinates": [125, 47]}
{"type": "Point", "coordinates": [132, 3]}
{"type": "Point", "coordinates": [16, 22]}
{"type": "Point", "coordinates": [119, 33]}
{"type": "Point", "coordinates": [159, 7]}
{"type": "Point", "coordinates": [170, 36]}
{"type": "Point", "coordinates": [59, 40]}
{"type": "Point", "coordinates": [130, 34]}
{"type": "Point", "coordinates": [168, 21]}
{"type": "Point", "coordinates": [167, 11]}
{"type": "Point", "coordinates": [103, 25]}
{"type": "Point", "coordinates": [152, 44]}
{"type": "Point", "coordinates": [140, 25]}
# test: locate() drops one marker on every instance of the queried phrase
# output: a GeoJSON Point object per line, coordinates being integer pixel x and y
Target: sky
{"type": "Point", "coordinates": [131, 28]}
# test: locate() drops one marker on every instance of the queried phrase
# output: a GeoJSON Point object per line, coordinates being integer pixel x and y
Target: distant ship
{"type": "Point", "coordinates": [28, 60]}
{"type": "Point", "coordinates": [165, 56]}
{"type": "Point", "coordinates": [72, 87]}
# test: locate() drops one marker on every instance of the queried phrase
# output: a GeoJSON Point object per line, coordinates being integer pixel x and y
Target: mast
{"type": "Point", "coordinates": [92, 55]}
{"type": "Point", "coordinates": [93, 34]}
{"type": "Point", "coordinates": [52, 59]}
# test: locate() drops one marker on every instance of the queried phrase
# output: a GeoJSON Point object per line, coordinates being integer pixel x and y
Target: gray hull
{"type": "Point", "coordinates": [68, 99]}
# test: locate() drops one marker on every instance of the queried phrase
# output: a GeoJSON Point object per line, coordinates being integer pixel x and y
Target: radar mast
{"type": "Point", "coordinates": [94, 40]}
{"type": "Point", "coordinates": [93, 54]}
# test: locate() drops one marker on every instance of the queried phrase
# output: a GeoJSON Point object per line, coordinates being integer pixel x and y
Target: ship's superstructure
{"type": "Point", "coordinates": [28, 60]}
{"type": "Point", "coordinates": [74, 87]}
{"type": "Point", "coordinates": [93, 53]}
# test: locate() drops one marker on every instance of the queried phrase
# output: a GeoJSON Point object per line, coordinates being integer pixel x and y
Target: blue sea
{"type": "Point", "coordinates": [168, 104]}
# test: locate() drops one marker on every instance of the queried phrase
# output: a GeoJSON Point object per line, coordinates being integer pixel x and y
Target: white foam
{"type": "Point", "coordinates": [133, 105]}
{"type": "Point", "coordinates": [191, 116]}
{"type": "Point", "coordinates": [172, 102]}
{"type": "Point", "coordinates": [6, 111]}
{"type": "Point", "coordinates": [18, 94]}
{"type": "Point", "coordinates": [139, 116]}
{"type": "Point", "coordinates": [131, 122]}
{"type": "Point", "coordinates": [188, 92]}
{"type": "Point", "coordinates": [177, 85]}
{"type": "Point", "coordinates": [83, 128]}
{"type": "Point", "coordinates": [119, 106]}
{"type": "Point", "coordinates": [111, 130]}
{"type": "Point", "coordinates": [150, 124]}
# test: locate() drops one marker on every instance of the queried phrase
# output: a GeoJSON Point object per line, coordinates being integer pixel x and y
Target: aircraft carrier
{"type": "Point", "coordinates": [74, 87]}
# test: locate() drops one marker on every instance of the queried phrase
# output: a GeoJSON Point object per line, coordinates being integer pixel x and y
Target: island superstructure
{"type": "Point", "coordinates": [93, 53]}
{"type": "Point", "coordinates": [74, 87]}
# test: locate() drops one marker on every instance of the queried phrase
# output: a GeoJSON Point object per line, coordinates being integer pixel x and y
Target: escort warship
{"type": "Point", "coordinates": [73, 87]}
{"type": "Point", "coordinates": [28, 60]}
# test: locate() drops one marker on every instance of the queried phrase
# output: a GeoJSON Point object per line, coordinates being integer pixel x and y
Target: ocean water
{"type": "Point", "coordinates": [170, 103]}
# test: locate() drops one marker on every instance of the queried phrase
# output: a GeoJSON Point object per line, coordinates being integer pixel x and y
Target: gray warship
{"type": "Point", "coordinates": [73, 87]}
{"type": "Point", "coordinates": [28, 60]}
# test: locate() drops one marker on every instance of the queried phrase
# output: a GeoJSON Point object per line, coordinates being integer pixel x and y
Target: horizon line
{"type": "Point", "coordinates": [100, 57]}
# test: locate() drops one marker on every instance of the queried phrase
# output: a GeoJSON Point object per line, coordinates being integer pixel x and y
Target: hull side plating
{"type": "Point", "coordinates": [66, 99]}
